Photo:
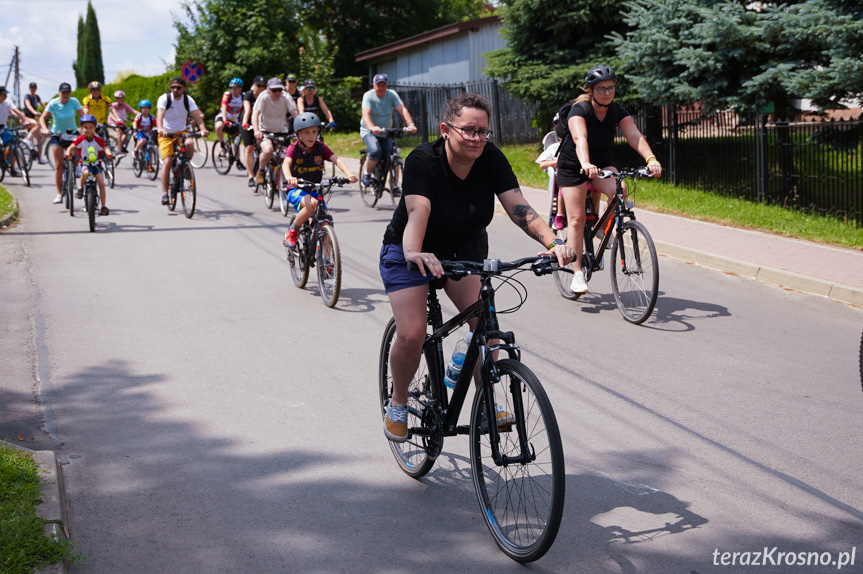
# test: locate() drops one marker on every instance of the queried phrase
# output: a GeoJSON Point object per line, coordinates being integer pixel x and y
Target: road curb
{"type": "Point", "coordinates": [53, 505]}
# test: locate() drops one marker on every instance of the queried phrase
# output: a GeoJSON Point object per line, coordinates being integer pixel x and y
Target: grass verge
{"type": "Point", "coordinates": [7, 203]}
{"type": "Point", "coordinates": [24, 547]}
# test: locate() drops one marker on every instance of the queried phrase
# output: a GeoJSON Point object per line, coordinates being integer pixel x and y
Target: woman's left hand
{"type": "Point", "coordinates": [564, 253]}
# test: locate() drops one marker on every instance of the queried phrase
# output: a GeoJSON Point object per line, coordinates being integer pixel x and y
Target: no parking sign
{"type": "Point", "coordinates": [192, 72]}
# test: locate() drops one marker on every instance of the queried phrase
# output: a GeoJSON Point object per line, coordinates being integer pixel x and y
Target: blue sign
{"type": "Point", "coordinates": [192, 72]}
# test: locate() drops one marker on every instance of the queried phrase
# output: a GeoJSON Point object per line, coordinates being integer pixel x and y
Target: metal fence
{"type": "Point", "coordinates": [814, 165]}
{"type": "Point", "coordinates": [512, 123]}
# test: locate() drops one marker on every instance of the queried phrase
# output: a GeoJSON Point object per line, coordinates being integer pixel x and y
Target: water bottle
{"type": "Point", "coordinates": [91, 153]}
{"type": "Point", "coordinates": [454, 367]}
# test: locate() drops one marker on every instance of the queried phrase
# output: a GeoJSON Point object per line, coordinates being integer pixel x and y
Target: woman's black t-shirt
{"type": "Point", "coordinates": [460, 209]}
{"type": "Point", "coordinates": [600, 134]}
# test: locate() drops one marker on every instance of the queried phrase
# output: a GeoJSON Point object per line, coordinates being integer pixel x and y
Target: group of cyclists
{"type": "Point", "coordinates": [448, 190]}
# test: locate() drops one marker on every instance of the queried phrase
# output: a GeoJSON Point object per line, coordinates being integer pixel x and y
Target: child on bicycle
{"type": "Point", "coordinates": [144, 124]}
{"type": "Point", "coordinates": [91, 149]}
{"type": "Point", "coordinates": [305, 159]}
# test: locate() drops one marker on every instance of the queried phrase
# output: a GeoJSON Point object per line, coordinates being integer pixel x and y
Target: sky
{"type": "Point", "coordinates": [136, 35]}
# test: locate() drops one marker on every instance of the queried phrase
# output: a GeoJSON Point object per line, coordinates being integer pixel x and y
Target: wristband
{"type": "Point", "coordinates": [648, 158]}
{"type": "Point", "coordinates": [557, 241]}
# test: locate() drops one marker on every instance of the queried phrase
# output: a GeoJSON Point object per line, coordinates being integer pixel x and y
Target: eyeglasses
{"type": "Point", "coordinates": [176, 87]}
{"type": "Point", "coordinates": [292, 81]}
{"type": "Point", "coordinates": [310, 88]}
{"type": "Point", "coordinates": [608, 90]}
{"type": "Point", "coordinates": [276, 90]}
{"type": "Point", "coordinates": [470, 133]}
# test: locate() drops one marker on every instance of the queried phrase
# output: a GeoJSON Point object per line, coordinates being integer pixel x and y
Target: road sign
{"type": "Point", "coordinates": [192, 71]}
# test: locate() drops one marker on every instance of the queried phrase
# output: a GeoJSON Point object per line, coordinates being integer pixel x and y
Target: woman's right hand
{"type": "Point", "coordinates": [425, 261]}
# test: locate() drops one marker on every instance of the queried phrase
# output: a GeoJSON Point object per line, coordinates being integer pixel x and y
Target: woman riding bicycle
{"type": "Point", "coordinates": [64, 110]}
{"type": "Point", "coordinates": [592, 122]}
{"type": "Point", "coordinates": [447, 203]}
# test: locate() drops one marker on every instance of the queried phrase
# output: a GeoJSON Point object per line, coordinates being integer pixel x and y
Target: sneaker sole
{"type": "Point", "coordinates": [394, 438]}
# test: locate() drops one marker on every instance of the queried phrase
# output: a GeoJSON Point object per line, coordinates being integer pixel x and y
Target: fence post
{"type": "Point", "coordinates": [760, 157]}
{"type": "Point", "coordinates": [672, 144]}
{"type": "Point", "coordinates": [495, 104]}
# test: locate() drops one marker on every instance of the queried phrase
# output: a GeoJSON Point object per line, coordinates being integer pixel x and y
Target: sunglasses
{"type": "Point", "coordinates": [176, 87]}
{"type": "Point", "coordinates": [276, 90]}
{"type": "Point", "coordinates": [310, 88]}
{"type": "Point", "coordinates": [292, 81]}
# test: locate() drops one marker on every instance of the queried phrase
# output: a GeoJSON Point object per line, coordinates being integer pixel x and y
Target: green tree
{"type": "Point", "coordinates": [90, 59]}
{"type": "Point", "coordinates": [743, 55]}
{"type": "Point", "coordinates": [80, 81]}
{"type": "Point", "coordinates": [551, 45]}
{"type": "Point", "coordinates": [236, 39]}
{"type": "Point", "coordinates": [357, 25]}
{"type": "Point", "coordinates": [317, 55]}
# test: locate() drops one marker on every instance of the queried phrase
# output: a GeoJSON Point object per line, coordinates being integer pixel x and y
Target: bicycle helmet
{"type": "Point", "coordinates": [235, 82]}
{"type": "Point", "coordinates": [306, 120]}
{"type": "Point", "coordinates": [88, 118]}
{"type": "Point", "coordinates": [145, 104]}
{"type": "Point", "coordinates": [119, 94]}
{"type": "Point", "coordinates": [598, 74]}
{"type": "Point", "coordinates": [94, 86]}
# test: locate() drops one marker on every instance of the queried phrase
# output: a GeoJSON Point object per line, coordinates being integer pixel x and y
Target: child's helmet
{"type": "Point", "coordinates": [88, 118]}
{"type": "Point", "coordinates": [145, 104]}
{"type": "Point", "coordinates": [306, 120]}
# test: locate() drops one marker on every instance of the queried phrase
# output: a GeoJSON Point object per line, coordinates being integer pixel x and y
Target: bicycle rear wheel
{"type": "Point", "coordinates": [329, 266]}
{"type": "Point", "coordinates": [397, 170]}
{"type": "Point", "coordinates": [202, 151]}
{"type": "Point", "coordinates": [634, 272]}
{"type": "Point", "coordinates": [298, 258]}
{"type": "Point", "coordinates": [222, 158]}
{"type": "Point", "coordinates": [19, 151]}
{"type": "Point", "coordinates": [138, 162]}
{"type": "Point", "coordinates": [69, 187]}
{"type": "Point", "coordinates": [413, 455]}
{"type": "Point", "coordinates": [188, 189]}
{"type": "Point", "coordinates": [109, 172]}
{"type": "Point", "coordinates": [522, 502]}
{"type": "Point", "coordinates": [562, 279]}
{"type": "Point", "coordinates": [269, 191]}
{"type": "Point", "coordinates": [367, 192]}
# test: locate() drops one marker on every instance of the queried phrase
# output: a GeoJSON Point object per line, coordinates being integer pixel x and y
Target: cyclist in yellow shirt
{"type": "Point", "coordinates": [96, 104]}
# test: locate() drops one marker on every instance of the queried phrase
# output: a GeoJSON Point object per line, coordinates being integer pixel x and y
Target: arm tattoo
{"type": "Point", "coordinates": [524, 215]}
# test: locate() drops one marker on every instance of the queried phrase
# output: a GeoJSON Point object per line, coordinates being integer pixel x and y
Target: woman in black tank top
{"type": "Point", "coordinates": [312, 102]}
{"type": "Point", "coordinates": [592, 124]}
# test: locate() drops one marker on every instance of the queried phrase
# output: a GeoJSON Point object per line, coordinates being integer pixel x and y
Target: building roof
{"type": "Point", "coordinates": [435, 34]}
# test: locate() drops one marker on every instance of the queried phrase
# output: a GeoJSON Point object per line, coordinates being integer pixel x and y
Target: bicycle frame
{"type": "Point", "coordinates": [487, 329]}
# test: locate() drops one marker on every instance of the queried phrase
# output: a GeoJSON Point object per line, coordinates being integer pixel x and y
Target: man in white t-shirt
{"type": "Point", "coordinates": [269, 115]}
{"type": "Point", "coordinates": [172, 117]}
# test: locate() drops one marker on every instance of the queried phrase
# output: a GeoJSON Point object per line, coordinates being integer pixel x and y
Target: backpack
{"type": "Point", "coordinates": [171, 99]}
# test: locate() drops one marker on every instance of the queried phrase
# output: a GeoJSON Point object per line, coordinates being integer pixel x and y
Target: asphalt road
{"type": "Point", "coordinates": [212, 417]}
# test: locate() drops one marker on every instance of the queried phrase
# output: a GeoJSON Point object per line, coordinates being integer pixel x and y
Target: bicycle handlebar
{"type": "Point", "coordinates": [539, 264]}
{"type": "Point", "coordinates": [624, 173]}
{"type": "Point", "coordinates": [325, 183]}
{"type": "Point", "coordinates": [396, 132]}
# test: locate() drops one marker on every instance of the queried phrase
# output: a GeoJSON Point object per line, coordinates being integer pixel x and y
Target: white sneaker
{"type": "Point", "coordinates": [578, 285]}
{"type": "Point", "coordinates": [58, 199]}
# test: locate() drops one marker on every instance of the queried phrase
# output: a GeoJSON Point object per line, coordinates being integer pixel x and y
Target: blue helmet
{"type": "Point", "coordinates": [235, 82]}
{"type": "Point", "coordinates": [145, 104]}
{"type": "Point", "coordinates": [88, 118]}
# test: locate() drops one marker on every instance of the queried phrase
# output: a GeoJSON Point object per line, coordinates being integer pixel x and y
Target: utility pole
{"type": "Point", "coordinates": [17, 79]}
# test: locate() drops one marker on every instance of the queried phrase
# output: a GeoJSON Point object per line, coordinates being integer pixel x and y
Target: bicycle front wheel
{"type": "Point", "coordinates": [21, 153]}
{"type": "Point", "coordinates": [90, 200]}
{"type": "Point", "coordinates": [367, 192]}
{"type": "Point", "coordinates": [562, 279]}
{"type": "Point", "coordinates": [329, 266]}
{"type": "Point", "coordinates": [202, 151]}
{"type": "Point", "coordinates": [138, 163]}
{"type": "Point", "coordinates": [153, 162]}
{"type": "Point", "coordinates": [521, 501]}
{"type": "Point", "coordinates": [69, 187]}
{"type": "Point", "coordinates": [109, 172]}
{"type": "Point", "coordinates": [634, 272]}
{"type": "Point", "coordinates": [412, 456]}
{"type": "Point", "coordinates": [222, 158]}
{"type": "Point", "coordinates": [188, 189]}
{"type": "Point", "coordinates": [269, 190]}
{"type": "Point", "coordinates": [298, 259]}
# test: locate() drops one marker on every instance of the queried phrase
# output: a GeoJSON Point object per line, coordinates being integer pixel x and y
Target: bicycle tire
{"type": "Point", "coordinates": [367, 192]}
{"type": "Point", "coordinates": [90, 204]}
{"type": "Point", "coordinates": [28, 155]}
{"type": "Point", "coordinates": [109, 172]}
{"type": "Point", "coordinates": [329, 266]}
{"type": "Point", "coordinates": [223, 158]}
{"type": "Point", "coordinates": [153, 162]}
{"type": "Point", "coordinates": [44, 153]}
{"type": "Point", "coordinates": [397, 170]}
{"type": "Point", "coordinates": [4, 160]}
{"type": "Point", "coordinates": [172, 191]}
{"type": "Point", "coordinates": [412, 456]}
{"type": "Point", "coordinates": [202, 152]}
{"type": "Point", "coordinates": [635, 287]}
{"type": "Point", "coordinates": [269, 192]}
{"type": "Point", "coordinates": [298, 259]}
{"type": "Point", "coordinates": [188, 189]}
{"type": "Point", "coordinates": [562, 279]}
{"type": "Point", "coordinates": [18, 150]}
{"type": "Point", "coordinates": [70, 189]}
{"type": "Point", "coordinates": [522, 503]}
{"type": "Point", "coordinates": [138, 162]}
